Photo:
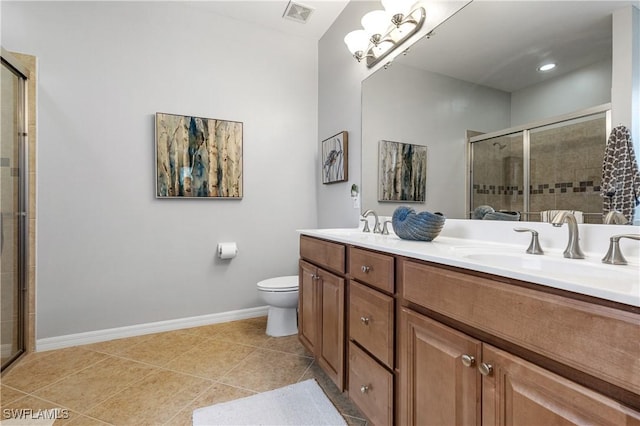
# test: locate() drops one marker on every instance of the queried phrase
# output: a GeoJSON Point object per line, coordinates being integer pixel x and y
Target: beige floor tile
{"type": "Point", "coordinates": [32, 407]}
{"type": "Point", "coordinates": [8, 395]}
{"type": "Point", "coordinates": [81, 420]}
{"type": "Point", "coordinates": [87, 388]}
{"type": "Point", "coordinates": [114, 347]}
{"type": "Point", "coordinates": [161, 348]}
{"type": "Point", "coordinates": [265, 370]}
{"type": "Point", "coordinates": [288, 344]}
{"type": "Point", "coordinates": [216, 394]}
{"type": "Point", "coordinates": [247, 332]}
{"type": "Point", "coordinates": [210, 331]}
{"type": "Point", "coordinates": [40, 369]}
{"type": "Point", "coordinates": [211, 358]}
{"type": "Point", "coordinates": [154, 400]}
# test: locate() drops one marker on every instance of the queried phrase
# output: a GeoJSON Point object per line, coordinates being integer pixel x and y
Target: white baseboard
{"type": "Point", "coordinates": [69, 340]}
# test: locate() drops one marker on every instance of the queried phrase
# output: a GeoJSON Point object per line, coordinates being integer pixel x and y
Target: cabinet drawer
{"type": "Point", "coordinates": [594, 339]}
{"type": "Point", "coordinates": [371, 321]}
{"type": "Point", "coordinates": [370, 387]}
{"type": "Point", "coordinates": [372, 268]}
{"type": "Point", "coordinates": [323, 253]}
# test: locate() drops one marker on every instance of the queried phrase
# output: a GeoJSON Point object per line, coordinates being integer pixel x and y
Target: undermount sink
{"type": "Point", "coordinates": [619, 279]}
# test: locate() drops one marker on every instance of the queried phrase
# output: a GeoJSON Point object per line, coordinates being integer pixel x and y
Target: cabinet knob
{"type": "Point", "coordinates": [315, 277]}
{"type": "Point", "coordinates": [366, 269]}
{"type": "Point", "coordinates": [364, 388]}
{"type": "Point", "coordinates": [468, 360]}
{"type": "Point", "coordinates": [485, 369]}
{"type": "Point", "coordinates": [364, 320]}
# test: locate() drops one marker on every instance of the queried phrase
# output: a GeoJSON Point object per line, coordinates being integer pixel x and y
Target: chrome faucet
{"type": "Point", "coordinates": [614, 255]}
{"type": "Point", "coordinates": [376, 226]}
{"type": "Point", "coordinates": [616, 218]}
{"type": "Point", "coordinates": [573, 250]}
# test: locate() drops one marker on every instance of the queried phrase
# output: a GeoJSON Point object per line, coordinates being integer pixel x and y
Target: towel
{"type": "Point", "coordinates": [548, 215]}
{"type": "Point", "coordinates": [620, 175]}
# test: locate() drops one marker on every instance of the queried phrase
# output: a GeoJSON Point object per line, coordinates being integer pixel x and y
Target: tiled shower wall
{"type": "Point", "coordinates": [565, 170]}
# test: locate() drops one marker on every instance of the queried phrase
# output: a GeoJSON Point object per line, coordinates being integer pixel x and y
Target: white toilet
{"type": "Point", "coordinates": [281, 294]}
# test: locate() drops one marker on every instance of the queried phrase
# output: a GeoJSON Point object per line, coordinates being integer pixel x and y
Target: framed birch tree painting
{"type": "Point", "coordinates": [335, 158]}
{"type": "Point", "coordinates": [402, 172]}
{"type": "Point", "coordinates": [198, 157]}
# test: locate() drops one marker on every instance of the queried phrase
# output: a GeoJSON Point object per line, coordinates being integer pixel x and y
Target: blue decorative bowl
{"type": "Point", "coordinates": [409, 225]}
{"type": "Point", "coordinates": [480, 211]}
{"type": "Point", "coordinates": [515, 216]}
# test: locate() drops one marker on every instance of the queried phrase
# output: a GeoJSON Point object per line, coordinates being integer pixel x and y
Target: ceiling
{"type": "Point", "coordinates": [268, 13]}
{"type": "Point", "coordinates": [500, 44]}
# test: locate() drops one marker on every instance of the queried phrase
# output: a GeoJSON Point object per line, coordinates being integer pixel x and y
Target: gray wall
{"type": "Point", "coordinates": [108, 253]}
{"type": "Point", "coordinates": [409, 105]}
{"type": "Point", "coordinates": [583, 88]}
{"type": "Point", "coordinates": [339, 77]}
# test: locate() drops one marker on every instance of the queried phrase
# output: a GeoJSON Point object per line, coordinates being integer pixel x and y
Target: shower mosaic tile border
{"type": "Point", "coordinates": [547, 188]}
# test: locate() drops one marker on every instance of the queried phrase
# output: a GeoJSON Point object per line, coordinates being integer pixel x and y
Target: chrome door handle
{"type": "Point", "coordinates": [468, 360]}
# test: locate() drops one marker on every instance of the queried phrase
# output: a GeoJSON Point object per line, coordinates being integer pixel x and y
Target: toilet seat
{"type": "Point", "coordinates": [279, 284]}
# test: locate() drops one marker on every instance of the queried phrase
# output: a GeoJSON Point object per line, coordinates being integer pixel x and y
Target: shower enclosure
{"type": "Point", "coordinates": [13, 210]}
{"type": "Point", "coordinates": [554, 164]}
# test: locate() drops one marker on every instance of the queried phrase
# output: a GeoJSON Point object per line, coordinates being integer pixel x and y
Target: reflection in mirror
{"type": "Point", "coordinates": [559, 162]}
{"type": "Point", "coordinates": [479, 72]}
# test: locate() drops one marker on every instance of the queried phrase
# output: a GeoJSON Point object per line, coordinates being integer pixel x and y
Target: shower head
{"type": "Point", "coordinates": [500, 146]}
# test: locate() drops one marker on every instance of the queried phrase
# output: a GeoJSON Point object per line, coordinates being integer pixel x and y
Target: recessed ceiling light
{"type": "Point", "coordinates": [547, 67]}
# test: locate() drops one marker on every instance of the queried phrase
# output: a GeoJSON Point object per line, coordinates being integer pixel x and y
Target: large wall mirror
{"type": "Point", "coordinates": [478, 72]}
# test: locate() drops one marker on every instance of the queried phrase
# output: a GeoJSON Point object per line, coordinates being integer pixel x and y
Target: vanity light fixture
{"type": "Point", "coordinates": [547, 67]}
{"type": "Point", "coordinates": [384, 30]}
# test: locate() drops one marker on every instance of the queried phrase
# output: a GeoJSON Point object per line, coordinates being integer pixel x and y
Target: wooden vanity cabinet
{"type": "Point", "coordinates": [446, 376]}
{"type": "Point", "coordinates": [418, 343]}
{"type": "Point", "coordinates": [321, 305]}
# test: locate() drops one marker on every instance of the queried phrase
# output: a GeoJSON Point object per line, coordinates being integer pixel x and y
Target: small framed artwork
{"type": "Point", "coordinates": [198, 157]}
{"type": "Point", "coordinates": [335, 159]}
{"type": "Point", "coordinates": [402, 172]}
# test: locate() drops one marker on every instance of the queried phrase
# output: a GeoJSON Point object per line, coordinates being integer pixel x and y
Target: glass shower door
{"type": "Point", "coordinates": [12, 214]}
{"type": "Point", "coordinates": [497, 175]}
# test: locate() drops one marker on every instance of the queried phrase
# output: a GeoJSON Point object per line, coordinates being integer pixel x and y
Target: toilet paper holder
{"type": "Point", "coordinates": [227, 250]}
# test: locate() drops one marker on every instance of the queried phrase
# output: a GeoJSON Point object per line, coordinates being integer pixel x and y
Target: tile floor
{"type": "Point", "coordinates": [159, 379]}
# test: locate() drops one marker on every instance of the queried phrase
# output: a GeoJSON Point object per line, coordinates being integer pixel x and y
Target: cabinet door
{"type": "Point", "coordinates": [331, 354]}
{"type": "Point", "coordinates": [308, 312]}
{"type": "Point", "coordinates": [516, 392]}
{"type": "Point", "coordinates": [436, 387]}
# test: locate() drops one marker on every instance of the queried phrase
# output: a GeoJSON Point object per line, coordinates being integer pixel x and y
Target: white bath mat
{"type": "Point", "coordinates": [303, 403]}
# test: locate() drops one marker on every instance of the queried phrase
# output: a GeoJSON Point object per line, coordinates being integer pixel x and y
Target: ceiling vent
{"type": "Point", "coordinates": [297, 12]}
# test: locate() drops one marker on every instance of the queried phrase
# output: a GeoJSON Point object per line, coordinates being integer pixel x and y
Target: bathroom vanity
{"type": "Point", "coordinates": [444, 333]}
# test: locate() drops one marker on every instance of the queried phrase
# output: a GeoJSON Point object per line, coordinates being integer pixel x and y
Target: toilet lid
{"type": "Point", "coordinates": [289, 283]}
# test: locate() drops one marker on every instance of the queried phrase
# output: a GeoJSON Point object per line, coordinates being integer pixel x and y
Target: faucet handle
{"type": "Point", "coordinates": [366, 225]}
{"type": "Point", "coordinates": [385, 230]}
{"type": "Point", "coordinates": [614, 255]}
{"type": "Point", "coordinates": [534, 246]}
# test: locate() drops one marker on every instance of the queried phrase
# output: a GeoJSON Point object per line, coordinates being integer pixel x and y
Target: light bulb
{"type": "Point", "coordinates": [356, 41]}
{"type": "Point", "coordinates": [376, 22]}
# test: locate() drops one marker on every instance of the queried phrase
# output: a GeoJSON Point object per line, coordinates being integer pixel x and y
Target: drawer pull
{"type": "Point", "coordinates": [364, 388]}
{"type": "Point", "coordinates": [366, 269]}
{"type": "Point", "coordinates": [364, 320]}
{"type": "Point", "coordinates": [468, 360]}
{"type": "Point", "coordinates": [485, 369]}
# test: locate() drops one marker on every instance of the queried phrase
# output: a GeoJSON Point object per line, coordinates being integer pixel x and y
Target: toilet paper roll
{"type": "Point", "coordinates": [227, 250]}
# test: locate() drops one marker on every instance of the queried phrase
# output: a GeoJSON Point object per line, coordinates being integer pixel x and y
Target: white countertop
{"type": "Point", "coordinates": [589, 276]}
